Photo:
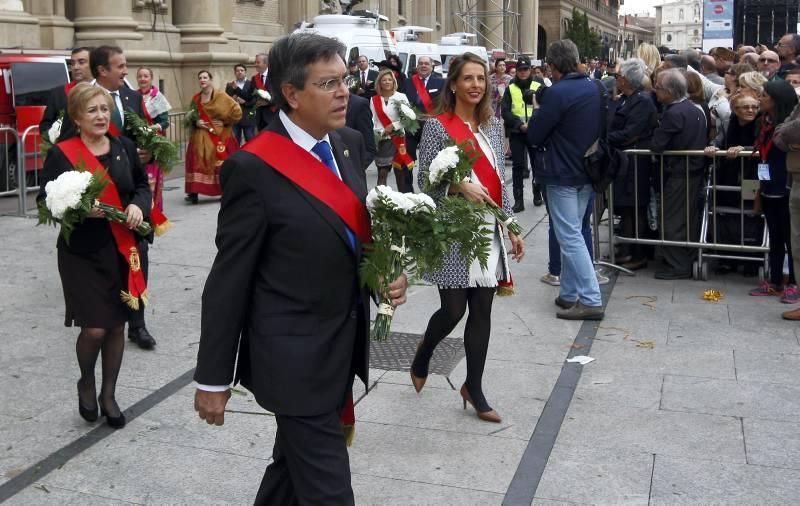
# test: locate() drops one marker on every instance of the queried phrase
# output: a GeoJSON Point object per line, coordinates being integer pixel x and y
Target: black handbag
{"type": "Point", "coordinates": [602, 162]}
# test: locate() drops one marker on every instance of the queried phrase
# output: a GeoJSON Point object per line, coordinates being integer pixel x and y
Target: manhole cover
{"type": "Point", "coordinates": [397, 352]}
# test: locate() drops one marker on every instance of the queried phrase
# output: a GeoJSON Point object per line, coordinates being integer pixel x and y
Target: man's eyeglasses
{"type": "Point", "coordinates": [767, 60]}
{"type": "Point", "coordinates": [330, 85]}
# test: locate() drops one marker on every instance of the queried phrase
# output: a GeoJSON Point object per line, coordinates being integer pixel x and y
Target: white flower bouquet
{"type": "Point", "coordinates": [47, 139]}
{"type": "Point", "coordinates": [453, 165]}
{"type": "Point", "coordinates": [164, 151]}
{"type": "Point", "coordinates": [264, 94]}
{"type": "Point", "coordinates": [409, 116]}
{"type": "Point", "coordinates": [70, 198]}
{"type": "Point", "coordinates": [410, 234]}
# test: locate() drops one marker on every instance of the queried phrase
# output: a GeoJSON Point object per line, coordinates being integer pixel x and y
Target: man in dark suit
{"type": "Point", "coordinates": [423, 79]}
{"type": "Point", "coordinates": [683, 127]}
{"type": "Point", "coordinates": [295, 325]}
{"type": "Point", "coordinates": [359, 117]}
{"type": "Point", "coordinates": [57, 97]}
{"type": "Point", "coordinates": [109, 68]}
{"type": "Point", "coordinates": [366, 78]}
{"type": "Point", "coordinates": [265, 108]}
{"type": "Point", "coordinates": [241, 89]}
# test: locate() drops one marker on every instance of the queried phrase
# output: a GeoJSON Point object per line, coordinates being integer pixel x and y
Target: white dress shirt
{"type": "Point", "coordinates": [306, 141]}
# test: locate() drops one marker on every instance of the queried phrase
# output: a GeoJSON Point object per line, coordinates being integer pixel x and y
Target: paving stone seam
{"type": "Point", "coordinates": [116, 499]}
{"type": "Point", "coordinates": [744, 440]}
{"type": "Point", "coordinates": [445, 485]}
{"type": "Point", "coordinates": [652, 473]}
{"type": "Point", "coordinates": [438, 430]}
{"type": "Point", "coordinates": [173, 444]}
{"type": "Point", "coordinates": [790, 419]}
{"type": "Point", "coordinates": [63, 455]}
{"type": "Point", "coordinates": [523, 486]}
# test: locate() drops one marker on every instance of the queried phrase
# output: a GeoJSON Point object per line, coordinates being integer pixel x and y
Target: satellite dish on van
{"type": "Point", "coordinates": [409, 33]}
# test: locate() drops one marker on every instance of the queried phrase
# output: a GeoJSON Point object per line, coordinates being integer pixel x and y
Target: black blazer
{"type": "Point", "coordinates": [359, 117]}
{"type": "Point", "coordinates": [131, 101]}
{"type": "Point", "coordinates": [283, 298]}
{"type": "Point", "coordinates": [434, 87]}
{"type": "Point", "coordinates": [366, 91]}
{"type": "Point", "coordinates": [248, 107]}
{"type": "Point", "coordinates": [264, 114]}
{"type": "Point", "coordinates": [128, 175]}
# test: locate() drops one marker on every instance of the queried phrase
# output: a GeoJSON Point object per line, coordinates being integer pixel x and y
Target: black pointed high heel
{"type": "Point", "coordinates": [88, 414]}
{"type": "Point", "coordinates": [115, 422]}
{"type": "Point", "coordinates": [417, 381]}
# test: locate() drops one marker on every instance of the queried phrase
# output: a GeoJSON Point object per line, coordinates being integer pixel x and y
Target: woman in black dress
{"type": "Point", "coordinates": [93, 272]}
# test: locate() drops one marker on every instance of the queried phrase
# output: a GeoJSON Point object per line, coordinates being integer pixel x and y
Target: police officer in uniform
{"type": "Point", "coordinates": [517, 106]}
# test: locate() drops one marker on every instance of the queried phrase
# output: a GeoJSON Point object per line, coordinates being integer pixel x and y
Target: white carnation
{"type": "Point", "coordinates": [265, 95]}
{"type": "Point", "coordinates": [374, 196]}
{"type": "Point", "coordinates": [55, 130]}
{"type": "Point", "coordinates": [421, 202]}
{"type": "Point", "coordinates": [65, 192]}
{"type": "Point", "coordinates": [446, 159]}
{"type": "Point", "coordinates": [407, 111]}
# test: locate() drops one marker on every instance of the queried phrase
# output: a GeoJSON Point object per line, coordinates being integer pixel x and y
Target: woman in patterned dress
{"type": "Point", "coordinates": [461, 283]}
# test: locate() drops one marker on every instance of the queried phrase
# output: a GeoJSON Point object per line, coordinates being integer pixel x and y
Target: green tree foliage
{"type": "Point", "coordinates": [578, 31]}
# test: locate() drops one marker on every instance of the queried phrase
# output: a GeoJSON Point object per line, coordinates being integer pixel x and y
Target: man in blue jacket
{"type": "Point", "coordinates": [563, 128]}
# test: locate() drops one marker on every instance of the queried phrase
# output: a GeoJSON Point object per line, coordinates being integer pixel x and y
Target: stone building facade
{"type": "Point", "coordinates": [680, 24]}
{"type": "Point", "coordinates": [177, 38]}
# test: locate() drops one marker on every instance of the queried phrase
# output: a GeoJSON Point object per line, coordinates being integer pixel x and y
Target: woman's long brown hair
{"type": "Point", "coordinates": [447, 100]}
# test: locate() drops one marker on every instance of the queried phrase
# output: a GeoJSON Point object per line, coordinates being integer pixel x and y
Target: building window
{"type": "Point", "coordinates": [401, 7]}
{"type": "Point", "coordinates": [680, 15]}
{"type": "Point", "coordinates": [696, 32]}
{"type": "Point", "coordinates": [669, 37]}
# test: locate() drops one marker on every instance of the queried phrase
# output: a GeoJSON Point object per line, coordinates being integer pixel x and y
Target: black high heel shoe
{"type": "Point", "coordinates": [191, 198]}
{"type": "Point", "coordinates": [88, 414]}
{"type": "Point", "coordinates": [488, 416]}
{"type": "Point", "coordinates": [115, 422]}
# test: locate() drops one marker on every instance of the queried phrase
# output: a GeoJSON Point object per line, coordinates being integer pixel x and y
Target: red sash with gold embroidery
{"type": "Point", "coordinates": [220, 151]}
{"type": "Point", "coordinates": [300, 167]}
{"type": "Point", "coordinates": [423, 94]}
{"type": "Point", "coordinates": [401, 156]}
{"type": "Point", "coordinates": [77, 153]}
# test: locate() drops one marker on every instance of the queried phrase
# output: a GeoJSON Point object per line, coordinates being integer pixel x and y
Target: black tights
{"type": "Point", "coordinates": [402, 177]}
{"type": "Point", "coordinates": [91, 343]}
{"type": "Point", "coordinates": [476, 335]}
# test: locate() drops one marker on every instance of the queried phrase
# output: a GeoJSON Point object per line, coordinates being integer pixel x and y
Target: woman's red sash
{"type": "Point", "coordinates": [423, 94]}
{"type": "Point", "coordinates": [460, 132]}
{"type": "Point", "coordinates": [220, 151]}
{"type": "Point", "coordinates": [401, 156]}
{"type": "Point", "coordinates": [301, 168]}
{"type": "Point", "coordinates": [78, 154]}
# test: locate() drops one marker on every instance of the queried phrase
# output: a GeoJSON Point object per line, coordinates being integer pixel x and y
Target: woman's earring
{"type": "Point", "coordinates": [453, 91]}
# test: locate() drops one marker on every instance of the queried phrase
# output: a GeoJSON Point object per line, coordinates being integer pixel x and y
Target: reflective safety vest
{"type": "Point", "coordinates": [518, 106]}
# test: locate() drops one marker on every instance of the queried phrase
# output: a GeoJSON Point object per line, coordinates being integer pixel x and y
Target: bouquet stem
{"type": "Point", "coordinates": [505, 219]}
{"type": "Point", "coordinates": [114, 214]}
{"type": "Point", "coordinates": [383, 321]}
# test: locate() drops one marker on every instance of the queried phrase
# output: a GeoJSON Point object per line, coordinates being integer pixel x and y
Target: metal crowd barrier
{"type": "Point", "coordinates": [705, 239]}
{"type": "Point", "coordinates": [178, 133]}
{"type": "Point", "coordinates": [12, 167]}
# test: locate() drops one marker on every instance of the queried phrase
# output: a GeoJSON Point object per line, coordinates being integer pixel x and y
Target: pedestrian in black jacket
{"type": "Point", "coordinates": [359, 117]}
{"type": "Point", "coordinates": [241, 89]}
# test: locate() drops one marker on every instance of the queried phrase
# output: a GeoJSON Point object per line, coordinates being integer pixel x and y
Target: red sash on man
{"type": "Point", "coordinates": [220, 151]}
{"type": "Point", "coordinates": [423, 94]}
{"type": "Point", "coordinates": [78, 154]}
{"type": "Point", "coordinates": [303, 169]}
{"type": "Point", "coordinates": [68, 87]}
{"type": "Point", "coordinates": [401, 156]}
{"type": "Point", "coordinates": [461, 132]}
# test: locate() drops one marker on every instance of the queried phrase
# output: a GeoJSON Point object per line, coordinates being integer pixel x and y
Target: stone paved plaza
{"type": "Point", "coordinates": [687, 401]}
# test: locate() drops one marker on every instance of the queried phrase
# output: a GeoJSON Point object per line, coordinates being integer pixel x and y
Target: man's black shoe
{"type": "Point", "coordinates": [519, 206]}
{"type": "Point", "coordinates": [526, 173]}
{"type": "Point", "coordinates": [671, 274]}
{"type": "Point", "coordinates": [141, 337]}
{"type": "Point", "coordinates": [537, 198]}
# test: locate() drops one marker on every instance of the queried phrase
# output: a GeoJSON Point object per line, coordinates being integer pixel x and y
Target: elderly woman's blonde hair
{"type": "Point", "coordinates": [650, 55]}
{"type": "Point", "coordinates": [381, 74]}
{"type": "Point", "coordinates": [752, 82]}
{"type": "Point", "coordinates": [81, 95]}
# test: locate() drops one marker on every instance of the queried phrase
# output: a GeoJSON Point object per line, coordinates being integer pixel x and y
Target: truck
{"type": "Point", "coordinates": [410, 48]}
{"type": "Point", "coordinates": [25, 81]}
{"type": "Point", "coordinates": [359, 32]}
{"type": "Point", "coordinates": [455, 44]}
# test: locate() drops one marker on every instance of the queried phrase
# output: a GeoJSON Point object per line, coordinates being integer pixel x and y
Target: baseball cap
{"type": "Point", "coordinates": [523, 62]}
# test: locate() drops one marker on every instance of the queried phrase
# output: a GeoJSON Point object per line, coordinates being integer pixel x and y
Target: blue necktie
{"type": "Point", "coordinates": [323, 150]}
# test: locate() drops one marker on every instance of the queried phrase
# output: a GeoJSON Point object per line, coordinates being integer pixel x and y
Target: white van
{"type": "Point", "coordinates": [409, 49]}
{"type": "Point", "coordinates": [362, 35]}
{"type": "Point", "coordinates": [456, 44]}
